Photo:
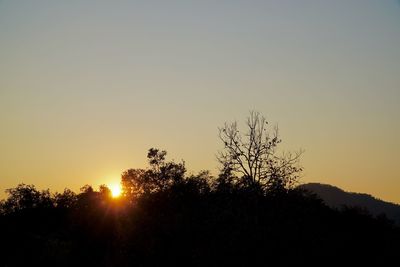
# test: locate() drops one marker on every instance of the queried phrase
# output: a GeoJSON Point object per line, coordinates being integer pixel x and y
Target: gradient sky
{"type": "Point", "coordinates": [86, 87]}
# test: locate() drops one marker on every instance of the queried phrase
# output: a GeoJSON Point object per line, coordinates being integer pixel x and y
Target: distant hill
{"type": "Point", "coordinates": [337, 198]}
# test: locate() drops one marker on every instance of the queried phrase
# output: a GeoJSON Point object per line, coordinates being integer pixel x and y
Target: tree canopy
{"type": "Point", "coordinates": [249, 214]}
{"type": "Point", "coordinates": [253, 157]}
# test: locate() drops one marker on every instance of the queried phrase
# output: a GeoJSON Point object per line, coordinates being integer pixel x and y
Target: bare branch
{"type": "Point", "coordinates": [253, 154]}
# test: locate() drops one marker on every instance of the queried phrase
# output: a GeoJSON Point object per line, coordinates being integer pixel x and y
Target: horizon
{"type": "Point", "coordinates": [87, 88]}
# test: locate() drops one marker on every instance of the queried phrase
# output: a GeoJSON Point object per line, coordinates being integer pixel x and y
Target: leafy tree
{"type": "Point", "coordinates": [65, 200]}
{"type": "Point", "coordinates": [163, 174]}
{"type": "Point", "coordinates": [104, 191]}
{"type": "Point", "coordinates": [90, 199]}
{"type": "Point", "coordinates": [26, 197]}
{"type": "Point", "coordinates": [194, 220]}
{"type": "Point", "coordinates": [199, 184]}
{"type": "Point", "coordinates": [134, 183]}
{"type": "Point", "coordinates": [253, 159]}
{"type": "Point", "coordinates": [159, 176]}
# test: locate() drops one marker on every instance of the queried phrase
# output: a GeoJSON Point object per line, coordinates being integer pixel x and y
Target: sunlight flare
{"type": "Point", "coordinates": [116, 190]}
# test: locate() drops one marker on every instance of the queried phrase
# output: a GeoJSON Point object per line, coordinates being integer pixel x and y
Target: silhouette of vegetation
{"type": "Point", "coordinates": [250, 215]}
{"type": "Point", "coordinates": [254, 157]}
{"type": "Point", "coordinates": [160, 176]}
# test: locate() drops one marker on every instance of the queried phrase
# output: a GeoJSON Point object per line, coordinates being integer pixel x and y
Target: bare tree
{"type": "Point", "coordinates": [253, 155]}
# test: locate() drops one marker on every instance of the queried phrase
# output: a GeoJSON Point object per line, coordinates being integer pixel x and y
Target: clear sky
{"type": "Point", "coordinates": [86, 87]}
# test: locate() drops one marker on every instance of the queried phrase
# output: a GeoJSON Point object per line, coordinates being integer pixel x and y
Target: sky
{"type": "Point", "coordinates": [87, 87]}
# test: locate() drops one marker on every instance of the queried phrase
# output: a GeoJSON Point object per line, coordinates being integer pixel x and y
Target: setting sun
{"type": "Point", "coordinates": [115, 190]}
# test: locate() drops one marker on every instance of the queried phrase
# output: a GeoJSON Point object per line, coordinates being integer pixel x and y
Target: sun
{"type": "Point", "coordinates": [115, 190]}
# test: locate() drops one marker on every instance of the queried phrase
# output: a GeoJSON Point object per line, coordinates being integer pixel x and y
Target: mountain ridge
{"type": "Point", "coordinates": [336, 197]}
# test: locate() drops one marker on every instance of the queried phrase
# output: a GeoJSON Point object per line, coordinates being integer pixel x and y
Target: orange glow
{"type": "Point", "coordinates": [115, 190]}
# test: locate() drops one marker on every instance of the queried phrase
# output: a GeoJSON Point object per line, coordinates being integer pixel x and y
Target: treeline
{"type": "Point", "coordinates": [250, 214]}
{"type": "Point", "coordinates": [167, 218]}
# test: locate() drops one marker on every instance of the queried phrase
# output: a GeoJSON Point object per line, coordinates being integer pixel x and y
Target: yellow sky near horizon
{"type": "Point", "coordinates": [87, 88]}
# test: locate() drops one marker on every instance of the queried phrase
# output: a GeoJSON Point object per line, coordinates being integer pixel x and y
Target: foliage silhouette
{"type": "Point", "coordinates": [168, 218]}
{"type": "Point", "coordinates": [253, 156]}
{"type": "Point", "coordinates": [160, 176]}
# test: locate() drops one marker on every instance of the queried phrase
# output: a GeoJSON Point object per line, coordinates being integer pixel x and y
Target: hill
{"type": "Point", "coordinates": [337, 198]}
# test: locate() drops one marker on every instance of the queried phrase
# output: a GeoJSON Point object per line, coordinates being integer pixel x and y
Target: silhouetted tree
{"type": "Point", "coordinates": [200, 184]}
{"type": "Point", "coordinates": [252, 156]}
{"type": "Point", "coordinates": [158, 177]}
{"type": "Point", "coordinates": [65, 200]}
{"type": "Point", "coordinates": [133, 183]}
{"type": "Point", "coordinates": [163, 174]}
{"type": "Point", "coordinates": [26, 197]}
{"type": "Point", "coordinates": [104, 191]}
{"type": "Point", "coordinates": [91, 200]}
{"type": "Point", "coordinates": [234, 219]}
